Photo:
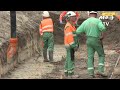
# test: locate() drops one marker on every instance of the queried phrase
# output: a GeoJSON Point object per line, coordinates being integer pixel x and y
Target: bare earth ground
{"type": "Point", "coordinates": [32, 68]}
{"type": "Point", "coordinates": [81, 64]}
{"type": "Point", "coordinates": [37, 69]}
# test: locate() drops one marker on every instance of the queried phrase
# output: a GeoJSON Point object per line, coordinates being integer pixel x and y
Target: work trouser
{"type": "Point", "coordinates": [48, 41]}
{"type": "Point", "coordinates": [94, 44]}
{"type": "Point", "coordinates": [76, 38]}
{"type": "Point", "coordinates": [69, 63]}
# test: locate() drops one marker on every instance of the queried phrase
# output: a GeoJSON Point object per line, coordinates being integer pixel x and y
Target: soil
{"type": "Point", "coordinates": [81, 65]}
{"type": "Point", "coordinates": [31, 68]}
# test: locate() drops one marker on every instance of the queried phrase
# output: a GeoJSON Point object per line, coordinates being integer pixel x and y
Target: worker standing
{"type": "Point", "coordinates": [93, 28]}
{"type": "Point", "coordinates": [71, 44]}
{"type": "Point", "coordinates": [46, 31]}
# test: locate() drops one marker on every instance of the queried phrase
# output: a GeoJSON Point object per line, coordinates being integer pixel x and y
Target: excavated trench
{"type": "Point", "coordinates": [28, 31]}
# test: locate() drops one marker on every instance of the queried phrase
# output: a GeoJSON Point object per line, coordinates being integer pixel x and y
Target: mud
{"type": "Point", "coordinates": [81, 66]}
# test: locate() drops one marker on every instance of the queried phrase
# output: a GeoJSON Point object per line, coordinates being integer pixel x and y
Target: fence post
{"type": "Point", "coordinates": [13, 42]}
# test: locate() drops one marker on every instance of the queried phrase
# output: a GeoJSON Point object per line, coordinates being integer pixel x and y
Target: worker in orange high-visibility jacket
{"type": "Point", "coordinates": [71, 43]}
{"type": "Point", "coordinates": [63, 14]}
{"type": "Point", "coordinates": [46, 31]}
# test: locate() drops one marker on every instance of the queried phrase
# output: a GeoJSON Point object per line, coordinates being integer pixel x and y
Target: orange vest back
{"type": "Point", "coordinates": [68, 34]}
{"type": "Point", "coordinates": [46, 25]}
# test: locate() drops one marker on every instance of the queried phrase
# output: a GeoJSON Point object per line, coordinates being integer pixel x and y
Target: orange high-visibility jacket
{"type": "Point", "coordinates": [46, 26]}
{"type": "Point", "coordinates": [65, 12]}
{"type": "Point", "coordinates": [68, 34]}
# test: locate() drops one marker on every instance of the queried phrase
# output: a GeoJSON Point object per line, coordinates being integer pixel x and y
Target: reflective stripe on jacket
{"type": "Point", "coordinates": [46, 25]}
{"type": "Point", "coordinates": [68, 34]}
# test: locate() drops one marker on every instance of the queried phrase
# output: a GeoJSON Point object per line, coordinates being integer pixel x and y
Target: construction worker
{"type": "Point", "coordinates": [93, 27]}
{"type": "Point", "coordinates": [46, 31]}
{"type": "Point", "coordinates": [71, 43]}
{"type": "Point", "coordinates": [63, 14]}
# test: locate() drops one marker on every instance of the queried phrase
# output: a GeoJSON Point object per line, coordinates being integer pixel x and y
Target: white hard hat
{"type": "Point", "coordinates": [89, 12]}
{"type": "Point", "coordinates": [45, 14]}
{"type": "Point", "coordinates": [70, 13]}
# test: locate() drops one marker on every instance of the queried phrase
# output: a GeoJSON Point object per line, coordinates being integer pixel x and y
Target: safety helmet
{"type": "Point", "coordinates": [89, 12]}
{"type": "Point", "coordinates": [45, 14]}
{"type": "Point", "coordinates": [70, 13]}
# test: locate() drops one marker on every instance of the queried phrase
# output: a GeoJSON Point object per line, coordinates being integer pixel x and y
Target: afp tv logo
{"type": "Point", "coordinates": [108, 16]}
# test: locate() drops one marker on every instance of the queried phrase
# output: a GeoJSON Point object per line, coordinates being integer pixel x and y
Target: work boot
{"type": "Point", "coordinates": [45, 56]}
{"type": "Point", "coordinates": [51, 56]}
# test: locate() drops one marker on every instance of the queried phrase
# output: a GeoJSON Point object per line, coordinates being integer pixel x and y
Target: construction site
{"type": "Point", "coordinates": [28, 63]}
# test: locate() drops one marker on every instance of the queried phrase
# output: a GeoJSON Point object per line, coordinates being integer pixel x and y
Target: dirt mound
{"type": "Point", "coordinates": [112, 34]}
